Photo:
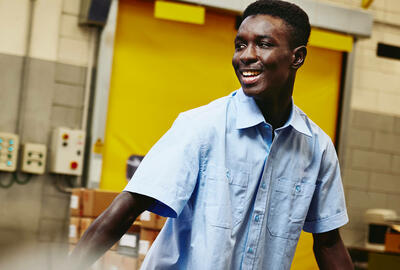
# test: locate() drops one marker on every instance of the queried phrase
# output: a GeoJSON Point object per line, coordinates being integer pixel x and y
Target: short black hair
{"type": "Point", "coordinates": [294, 17]}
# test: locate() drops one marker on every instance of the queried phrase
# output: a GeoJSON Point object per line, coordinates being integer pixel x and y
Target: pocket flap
{"type": "Point", "coordinates": [294, 187]}
{"type": "Point", "coordinates": [237, 175]}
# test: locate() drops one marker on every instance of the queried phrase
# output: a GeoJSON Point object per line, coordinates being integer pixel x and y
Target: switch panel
{"type": "Point", "coordinates": [33, 158]}
{"type": "Point", "coordinates": [9, 144]}
{"type": "Point", "coordinates": [67, 146]}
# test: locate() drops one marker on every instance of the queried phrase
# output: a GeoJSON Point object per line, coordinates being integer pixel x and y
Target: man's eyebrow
{"type": "Point", "coordinates": [238, 38]}
{"type": "Point", "coordinates": [264, 37]}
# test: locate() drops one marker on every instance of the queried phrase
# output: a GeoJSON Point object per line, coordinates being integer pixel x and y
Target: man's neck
{"type": "Point", "coordinates": [275, 112]}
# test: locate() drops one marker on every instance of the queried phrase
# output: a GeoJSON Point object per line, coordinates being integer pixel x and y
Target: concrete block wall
{"type": "Point", "coordinates": [371, 171]}
{"type": "Point", "coordinates": [371, 174]}
{"type": "Point", "coordinates": [54, 67]}
{"type": "Point", "coordinates": [384, 11]}
{"type": "Point", "coordinates": [376, 79]}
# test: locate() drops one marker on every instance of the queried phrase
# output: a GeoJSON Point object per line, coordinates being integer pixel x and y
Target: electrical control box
{"type": "Point", "coordinates": [9, 144]}
{"type": "Point", "coordinates": [67, 146]}
{"type": "Point", "coordinates": [33, 158]}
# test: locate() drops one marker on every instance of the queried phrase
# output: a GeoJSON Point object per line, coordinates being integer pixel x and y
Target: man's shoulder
{"type": "Point", "coordinates": [317, 133]}
{"type": "Point", "coordinates": [209, 112]}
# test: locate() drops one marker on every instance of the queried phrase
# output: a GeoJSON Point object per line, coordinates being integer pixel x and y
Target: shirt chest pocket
{"type": "Point", "coordinates": [226, 194]}
{"type": "Point", "coordinates": [289, 204]}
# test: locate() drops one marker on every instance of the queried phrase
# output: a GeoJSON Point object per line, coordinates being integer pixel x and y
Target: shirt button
{"type": "Point", "coordinates": [257, 218]}
{"type": "Point", "coordinates": [263, 185]}
{"type": "Point", "coordinates": [298, 188]}
{"type": "Point", "coordinates": [250, 250]}
{"type": "Point", "coordinates": [228, 174]}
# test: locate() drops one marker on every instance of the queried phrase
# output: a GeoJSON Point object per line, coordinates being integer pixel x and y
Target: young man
{"type": "Point", "coordinates": [242, 176]}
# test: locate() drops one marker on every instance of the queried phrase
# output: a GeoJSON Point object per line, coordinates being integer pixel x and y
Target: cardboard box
{"type": "Point", "coordinates": [147, 237]}
{"type": "Point", "coordinates": [74, 230]}
{"type": "Point", "coordinates": [128, 244]}
{"type": "Point", "coordinates": [392, 239]}
{"type": "Point", "coordinates": [148, 234]}
{"type": "Point", "coordinates": [95, 201]}
{"type": "Point", "coordinates": [134, 228]}
{"type": "Point", "coordinates": [76, 204]}
{"type": "Point", "coordinates": [140, 260]}
{"type": "Point", "coordinates": [148, 220]}
{"type": "Point", "coordinates": [129, 263]}
{"type": "Point", "coordinates": [160, 222]}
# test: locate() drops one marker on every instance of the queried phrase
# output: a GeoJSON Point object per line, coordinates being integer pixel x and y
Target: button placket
{"type": "Point", "coordinates": [256, 226]}
{"type": "Point", "coordinates": [228, 175]}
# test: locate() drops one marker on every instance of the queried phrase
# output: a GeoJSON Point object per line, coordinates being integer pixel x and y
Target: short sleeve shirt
{"type": "Point", "coordinates": [236, 198]}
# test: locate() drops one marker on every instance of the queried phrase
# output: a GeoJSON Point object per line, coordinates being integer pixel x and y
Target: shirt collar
{"type": "Point", "coordinates": [249, 115]}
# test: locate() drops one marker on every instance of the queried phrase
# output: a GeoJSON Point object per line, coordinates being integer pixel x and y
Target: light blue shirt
{"type": "Point", "coordinates": [238, 199]}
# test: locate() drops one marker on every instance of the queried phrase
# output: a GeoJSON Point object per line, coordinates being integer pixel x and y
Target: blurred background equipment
{"type": "Point", "coordinates": [33, 158]}
{"type": "Point", "coordinates": [9, 146]}
{"type": "Point", "coordinates": [129, 252]}
{"type": "Point", "coordinates": [378, 222]}
{"type": "Point", "coordinates": [94, 12]}
{"type": "Point", "coordinates": [132, 164]}
{"type": "Point", "coordinates": [67, 149]}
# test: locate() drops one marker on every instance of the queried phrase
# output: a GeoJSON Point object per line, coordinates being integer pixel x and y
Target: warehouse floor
{"type": "Point", "coordinates": [21, 251]}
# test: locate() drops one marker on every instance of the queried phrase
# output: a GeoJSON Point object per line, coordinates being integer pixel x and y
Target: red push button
{"type": "Point", "coordinates": [65, 136]}
{"type": "Point", "coordinates": [74, 165]}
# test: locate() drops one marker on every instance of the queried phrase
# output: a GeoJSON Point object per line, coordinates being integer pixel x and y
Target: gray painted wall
{"type": "Point", "coordinates": [52, 96]}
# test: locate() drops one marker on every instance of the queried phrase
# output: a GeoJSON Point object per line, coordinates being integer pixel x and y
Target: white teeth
{"type": "Point", "coordinates": [250, 73]}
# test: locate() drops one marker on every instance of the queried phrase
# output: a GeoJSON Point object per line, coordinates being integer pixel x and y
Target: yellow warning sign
{"type": "Point", "coordinates": [366, 3]}
{"type": "Point", "coordinates": [98, 146]}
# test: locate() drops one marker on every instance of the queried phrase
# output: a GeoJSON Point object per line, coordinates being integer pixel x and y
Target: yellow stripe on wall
{"type": "Point", "coordinates": [331, 40]}
{"type": "Point", "coordinates": [179, 12]}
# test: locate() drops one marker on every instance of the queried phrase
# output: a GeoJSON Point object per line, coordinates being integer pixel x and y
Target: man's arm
{"type": "Point", "coordinates": [108, 228]}
{"type": "Point", "coordinates": [330, 251]}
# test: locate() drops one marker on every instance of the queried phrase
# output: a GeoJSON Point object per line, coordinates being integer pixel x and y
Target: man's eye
{"type": "Point", "coordinates": [240, 46]}
{"type": "Point", "coordinates": [265, 44]}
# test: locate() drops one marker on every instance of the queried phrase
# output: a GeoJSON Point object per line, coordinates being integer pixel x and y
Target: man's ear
{"type": "Point", "coordinates": [299, 56]}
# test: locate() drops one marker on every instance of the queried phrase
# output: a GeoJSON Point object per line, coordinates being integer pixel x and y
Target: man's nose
{"type": "Point", "coordinates": [249, 54]}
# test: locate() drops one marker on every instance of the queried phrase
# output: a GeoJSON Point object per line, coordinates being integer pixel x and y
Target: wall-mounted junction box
{"type": "Point", "coordinates": [9, 144]}
{"type": "Point", "coordinates": [67, 146]}
{"type": "Point", "coordinates": [33, 158]}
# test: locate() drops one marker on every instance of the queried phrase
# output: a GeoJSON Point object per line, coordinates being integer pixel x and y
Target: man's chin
{"type": "Point", "coordinates": [251, 91]}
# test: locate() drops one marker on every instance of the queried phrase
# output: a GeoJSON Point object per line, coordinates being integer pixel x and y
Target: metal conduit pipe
{"type": "Point", "coordinates": [24, 70]}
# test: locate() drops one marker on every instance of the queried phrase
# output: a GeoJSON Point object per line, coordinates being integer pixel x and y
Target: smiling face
{"type": "Point", "coordinates": [263, 58]}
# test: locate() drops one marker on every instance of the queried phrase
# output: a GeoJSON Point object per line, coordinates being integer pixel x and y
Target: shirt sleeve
{"type": "Point", "coordinates": [328, 208]}
{"type": "Point", "coordinates": [169, 171]}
